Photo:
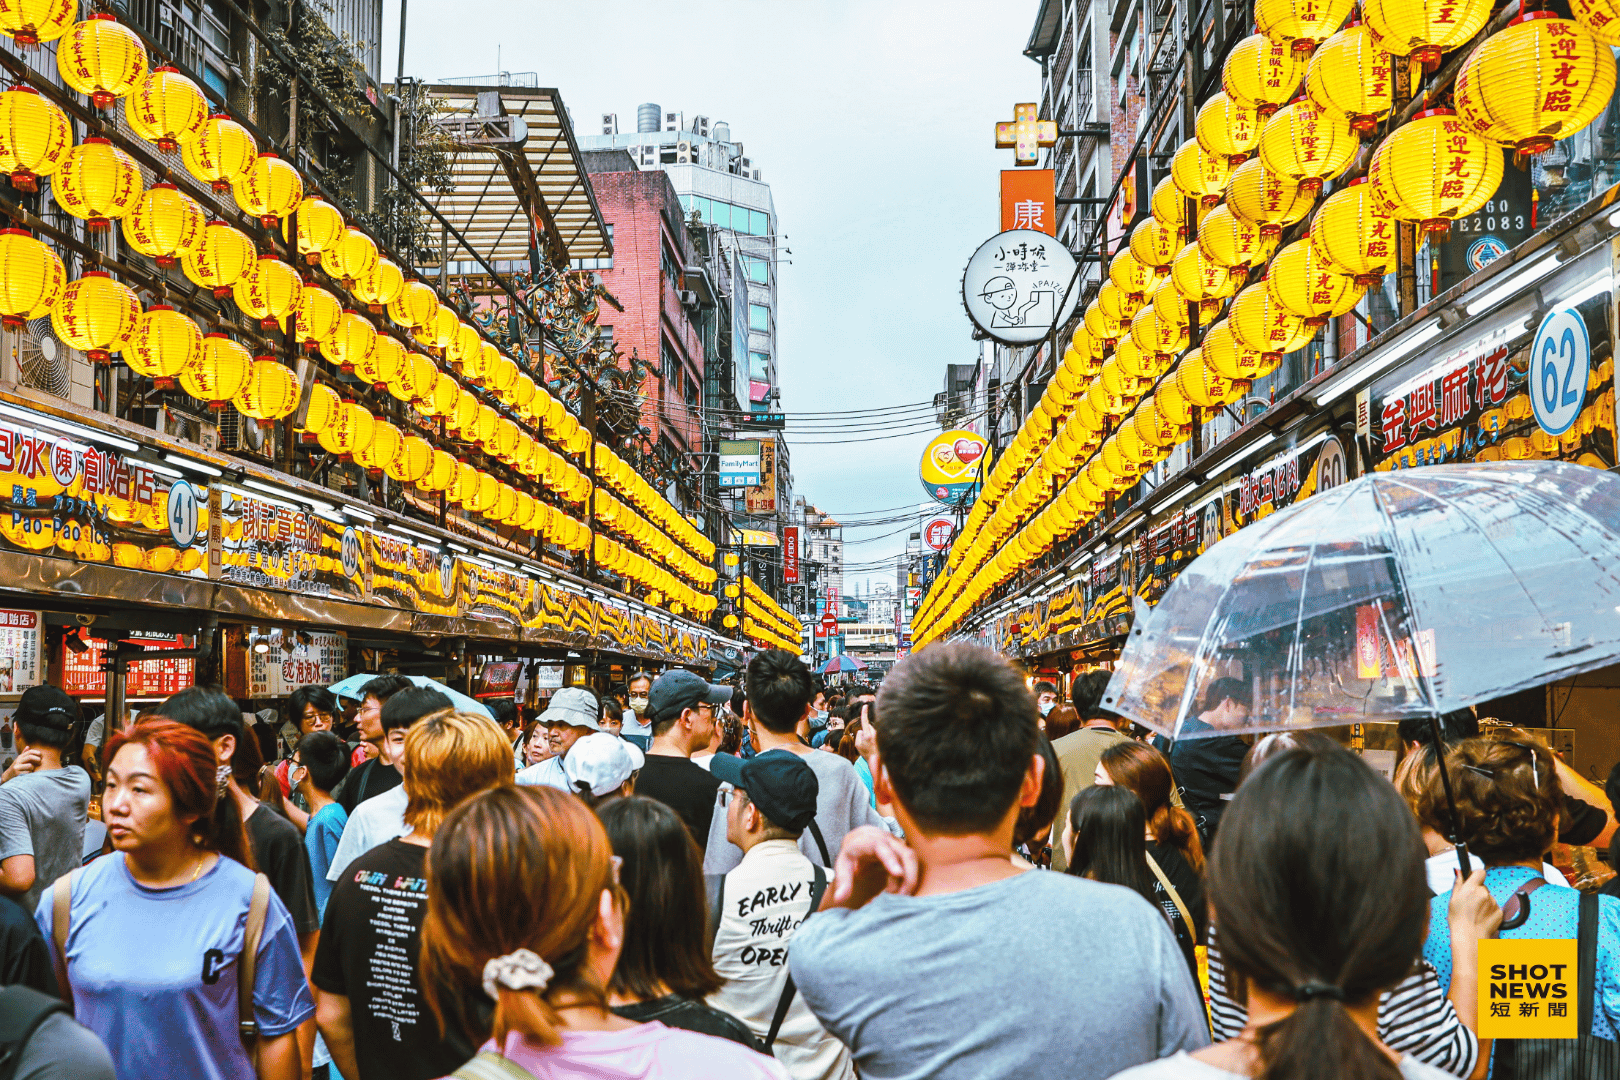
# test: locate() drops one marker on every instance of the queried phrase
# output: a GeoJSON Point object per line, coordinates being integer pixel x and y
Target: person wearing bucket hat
{"type": "Point", "coordinates": [681, 709]}
{"type": "Point", "coordinates": [43, 803]}
{"type": "Point", "coordinates": [574, 713]}
{"type": "Point", "coordinates": [602, 766]}
{"type": "Point", "coordinates": [771, 893]}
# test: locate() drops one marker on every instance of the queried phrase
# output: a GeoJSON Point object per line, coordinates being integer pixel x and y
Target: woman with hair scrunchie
{"type": "Point", "coordinates": [524, 908]}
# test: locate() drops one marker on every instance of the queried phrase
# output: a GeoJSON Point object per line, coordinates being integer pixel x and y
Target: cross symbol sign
{"type": "Point", "coordinates": [1025, 135]}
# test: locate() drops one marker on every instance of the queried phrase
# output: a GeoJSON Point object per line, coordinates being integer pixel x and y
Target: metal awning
{"type": "Point", "coordinates": [514, 149]}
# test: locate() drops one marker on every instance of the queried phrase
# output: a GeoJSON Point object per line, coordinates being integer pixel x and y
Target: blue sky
{"type": "Point", "coordinates": [872, 120]}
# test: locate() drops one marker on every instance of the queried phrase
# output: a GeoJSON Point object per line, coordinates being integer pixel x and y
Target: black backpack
{"type": "Point", "coordinates": [22, 1010]}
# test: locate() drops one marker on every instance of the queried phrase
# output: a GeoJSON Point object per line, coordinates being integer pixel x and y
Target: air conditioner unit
{"type": "Point", "coordinates": [756, 174]}
{"type": "Point", "coordinates": [43, 362]}
{"type": "Point", "coordinates": [700, 126]}
{"type": "Point", "coordinates": [649, 156]}
{"type": "Point", "coordinates": [610, 123]}
{"type": "Point", "coordinates": [674, 121]}
{"type": "Point", "coordinates": [744, 165]}
{"type": "Point", "coordinates": [688, 298]}
{"type": "Point", "coordinates": [683, 153]}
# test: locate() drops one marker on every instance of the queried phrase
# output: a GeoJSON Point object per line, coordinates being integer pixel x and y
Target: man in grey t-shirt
{"type": "Point", "coordinates": [950, 974]}
{"type": "Point", "coordinates": [43, 804]}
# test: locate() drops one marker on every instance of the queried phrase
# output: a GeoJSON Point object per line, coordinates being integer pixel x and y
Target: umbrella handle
{"type": "Point", "coordinates": [1451, 799]}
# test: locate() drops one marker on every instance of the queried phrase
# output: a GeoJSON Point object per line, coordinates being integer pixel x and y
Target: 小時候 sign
{"type": "Point", "coordinates": [1015, 284]}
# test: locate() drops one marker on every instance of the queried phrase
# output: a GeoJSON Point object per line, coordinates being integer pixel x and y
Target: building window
{"type": "Point", "coordinates": [760, 367]}
{"type": "Point", "coordinates": [758, 270]}
{"type": "Point", "coordinates": [595, 264]}
{"type": "Point", "coordinates": [606, 337]}
{"type": "Point", "coordinates": [666, 263]}
{"type": "Point", "coordinates": [736, 218]}
{"type": "Point", "coordinates": [672, 369]}
{"type": "Point", "coordinates": [759, 318]}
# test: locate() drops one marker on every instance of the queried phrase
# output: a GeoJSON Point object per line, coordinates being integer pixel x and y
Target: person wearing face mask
{"type": "Point", "coordinates": [637, 729]}
{"type": "Point", "coordinates": [1045, 700]}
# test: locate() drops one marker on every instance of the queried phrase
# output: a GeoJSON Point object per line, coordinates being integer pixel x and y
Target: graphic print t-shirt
{"type": "Point", "coordinates": [370, 944]}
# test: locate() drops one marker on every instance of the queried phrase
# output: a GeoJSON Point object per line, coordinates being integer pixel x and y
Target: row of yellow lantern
{"type": "Point", "coordinates": [631, 485]}
{"type": "Point", "coordinates": [610, 511]}
{"type": "Point", "coordinates": [762, 633]}
{"type": "Point", "coordinates": [769, 620]}
{"type": "Point", "coordinates": [660, 584]}
{"type": "Point", "coordinates": [770, 610]}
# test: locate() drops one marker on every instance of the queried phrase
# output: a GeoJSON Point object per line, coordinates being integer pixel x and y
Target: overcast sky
{"type": "Point", "coordinates": [873, 122]}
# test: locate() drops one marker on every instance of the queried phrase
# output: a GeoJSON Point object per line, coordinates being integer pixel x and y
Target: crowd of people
{"type": "Point", "coordinates": [955, 875]}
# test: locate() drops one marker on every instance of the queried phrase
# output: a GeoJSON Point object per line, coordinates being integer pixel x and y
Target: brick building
{"type": "Point", "coordinates": [650, 253]}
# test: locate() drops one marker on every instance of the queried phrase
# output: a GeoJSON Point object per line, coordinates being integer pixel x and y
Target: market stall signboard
{"type": "Point", "coordinates": [316, 659]}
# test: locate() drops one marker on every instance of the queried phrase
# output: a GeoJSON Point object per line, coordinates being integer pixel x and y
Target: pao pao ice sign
{"type": "Point", "coordinates": [1014, 284]}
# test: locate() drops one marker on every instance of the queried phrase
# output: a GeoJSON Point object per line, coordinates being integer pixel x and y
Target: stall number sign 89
{"type": "Point", "coordinates": [1496, 215]}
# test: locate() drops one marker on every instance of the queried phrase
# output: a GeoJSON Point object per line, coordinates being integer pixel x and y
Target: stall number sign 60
{"type": "Point", "coordinates": [1560, 362]}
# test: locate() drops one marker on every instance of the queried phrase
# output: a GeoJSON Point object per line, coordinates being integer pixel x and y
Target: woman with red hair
{"type": "Point", "coordinates": [152, 945]}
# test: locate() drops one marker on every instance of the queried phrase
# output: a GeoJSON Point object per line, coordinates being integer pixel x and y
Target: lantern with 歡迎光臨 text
{"type": "Point", "coordinates": [97, 182]}
{"type": "Point", "coordinates": [1303, 283]}
{"type": "Point", "coordinates": [1537, 80]}
{"type": "Point", "coordinates": [1352, 235]}
{"type": "Point", "coordinates": [1434, 169]}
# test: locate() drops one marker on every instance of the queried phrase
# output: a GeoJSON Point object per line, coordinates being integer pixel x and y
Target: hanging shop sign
{"type": "Point", "coordinates": [300, 659]}
{"type": "Point", "coordinates": [952, 465]}
{"type": "Point", "coordinates": [268, 544]}
{"type": "Point", "coordinates": [84, 673]}
{"type": "Point", "coordinates": [790, 554]}
{"type": "Point", "coordinates": [761, 497]}
{"type": "Point", "coordinates": [1015, 283]}
{"type": "Point", "coordinates": [739, 463]}
{"type": "Point", "coordinates": [20, 636]}
{"type": "Point", "coordinates": [937, 531]}
{"type": "Point", "coordinates": [1029, 200]}
{"type": "Point", "coordinates": [498, 679]}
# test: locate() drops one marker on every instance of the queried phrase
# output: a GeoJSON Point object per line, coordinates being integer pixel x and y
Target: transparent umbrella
{"type": "Point", "coordinates": [1402, 594]}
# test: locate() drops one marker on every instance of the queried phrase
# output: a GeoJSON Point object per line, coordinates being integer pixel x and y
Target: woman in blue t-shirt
{"type": "Point", "coordinates": [156, 929]}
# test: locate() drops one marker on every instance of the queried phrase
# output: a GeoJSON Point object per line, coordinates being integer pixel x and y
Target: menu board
{"type": "Point", "coordinates": [19, 650]}
{"type": "Point", "coordinates": [84, 675]}
{"type": "Point", "coordinates": [315, 659]}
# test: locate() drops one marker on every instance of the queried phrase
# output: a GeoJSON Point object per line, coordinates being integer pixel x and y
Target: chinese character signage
{"type": "Point", "coordinates": [1014, 284]}
{"type": "Point", "coordinates": [19, 650]}
{"type": "Point", "coordinates": [739, 463]}
{"type": "Point", "coordinates": [84, 674]}
{"type": "Point", "coordinates": [1529, 989]}
{"type": "Point", "coordinates": [790, 554]}
{"type": "Point", "coordinates": [270, 545]}
{"type": "Point", "coordinates": [952, 465]}
{"type": "Point", "coordinates": [760, 498]}
{"type": "Point", "coordinates": [1028, 200]}
{"type": "Point", "coordinates": [315, 659]}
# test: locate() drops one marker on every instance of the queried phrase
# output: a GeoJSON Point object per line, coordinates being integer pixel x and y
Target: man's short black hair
{"type": "Point", "coordinates": [1221, 689]}
{"type": "Point", "coordinates": [384, 687]}
{"type": "Point", "coordinates": [504, 709]}
{"type": "Point", "coordinates": [406, 707]}
{"type": "Point", "coordinates": [319, 696]}
{"type": "Point", "coordinates": [1044, 687]}
{"type": "Point", "coordinates": [326, 757]}
{"type": "Point", "coordinates": [957, 735]}
{"type": "Point", "coordinates": [779, 690]}
{"type": "Point", "coordinates": [205, 708]}
{"type": "Point", "coordinates": [1086, 691]}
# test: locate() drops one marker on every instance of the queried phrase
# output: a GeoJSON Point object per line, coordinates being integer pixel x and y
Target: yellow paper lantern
{"type": "Point", "coordinates": [34, 136]}
{"type": "Point", "coordinates": [97, 182]}
{"type": "Point", "coordinates": [1143, 364]}
{"type": "Point", "coordinates": [414, 460]}
{"type": "Point", "coordinates": [1601, 17]}
{"type": "Point", "coordinates": [1300, 24]}
{"type": "Point", "coordinates": [464, 416]}
{"type": "Point", "coordinates": [505, 503]}
{"type": "Point", "coordinates": [350, 341]}
{"type": "Point", "coordinates": [464, 487]}
{"type": "Point", "coordinates": [1435, 169]}
{"type": "Point", "coordinates": [500, 372]}
{"type": "Point", "coordinates": [1157, 335]}
{"type": "Point", "coordinates": [1132, 277]}
{"type": "Point", "coordinates": [1262, 325]}
{"type": "Point", "coordinates": [1104, 329]}
{"type": "Point", "coordinates": [96, 315]}
{"type": "Point", "coordinates": [1172, 405]}
{"type": "Point", "coordinates": [1537, 80]}
{"type": "Point", "coordinates": [1351, 73]}
{"type": "Point", "coordinates": [443, 399]}
{"type": "Point", "coordinates": [1304, 284]}
{"type": "Point", "coordinates": [1116, 383]}
{"type": "Point", "coordinates": [1117, 305]}
{"type": "Point", "coordinates": [1308, 144]}
{"type": "Point", "coordinates": [324, 406]}
{"type": "Point", "coordinates": [1199, 174]}
{"type": "Point", "coordinates": [270, 189]}
{"type": "Point", "coordinates": [162, 344]}
{"type": "Point", "coordinates": [1172, 305]}
{"type": "Point", "coordinates": [223, 256]}
{"type": "Point", "coordinates": [522, 393]}
{"type": "Point", "coordinates": [1261, 74]}
{"type": "Point", "coordinates": [1266, 199]}
{"type": "Point", "coordinates": [1106, 402]}
{"type": "Point", "coordinates": [1352, 236]}
{"type": "Point", "coordinates": [101, 57]}
{"type": "Point", "coordinates": [1153, 427]}
{"type": "Point", "coordinates": [466, 351]}
{"type": "Point", "coordinates": [1203, 385]}
{"type": "Point", "coordinates": [33, 21]}
{"type": "Point", "coordinates": [354, 256]}
{"type": "Point", "coordinates": [1231, 241]}
{"type": "Point", "coordinates": [1155, 245]}
{"type": "Point", "coordinates": [416, 378]}
{"type": "Point", "coordinates": [320, 229]}
{"type": "Point", "coordinates": [350, 431]}
{"type": "Point", "coordinates": [166, 108]}
{"type": "Point", "coordinates": [441, 330]}
{"type": "Point", "coordinates": [221, 153]}
{"type": "Point", "coordinates": [1425, 29]}
{"type": "Point", "coordinates": [1225, 355]}
{"type": "Point", "coordinates": [1226, 128]}
{"type": "Point", "coordinates": [1197, 278]}
{"type": "Point", "coordinates": [32, 278]}
{"type": "Point", "coordinates": [482, 428]}
{"type": "Point", "coordinates": [164, 224]}
{"type": "Point", "coordinates": [441, 473]}
{"type": "Point", "coordinates": [271, 391]}
{"type": "Point", "coordinates": [383, 364]}
{"type": "Point", "coordinates": [379, 286]}
{"type": "Point", "coordinates": [380, 450]}
{"type": "Point", "coordinates": [1169, 205]}
{"type": "Point", "coordinates": [219, 372]}
{"type": "Point", "coordinates": [415, 305]}
{"type": "Point", "coordinates": [316, 316]}
{"type": "Point", "coordinates": [269, 291]}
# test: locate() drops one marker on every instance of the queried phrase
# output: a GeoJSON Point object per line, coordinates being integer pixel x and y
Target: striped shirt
{"type": "Point", "coordinates": [1415, 1017]}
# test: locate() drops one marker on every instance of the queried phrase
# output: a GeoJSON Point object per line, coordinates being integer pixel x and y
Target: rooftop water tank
{"type": "Point", "coordinates": [649, 117]}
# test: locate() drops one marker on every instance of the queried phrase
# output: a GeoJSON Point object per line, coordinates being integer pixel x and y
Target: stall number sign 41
{"type": "Point", "coordinates": [1560, 363]}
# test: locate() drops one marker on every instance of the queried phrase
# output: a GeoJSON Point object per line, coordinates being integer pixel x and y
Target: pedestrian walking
{"type": "Point", "coordinates": [574, 713]}
{"type": "Point", "coordinates": [602, 767]}
{"type": "Point", "coordinates": [319, 763]}
{"type": "Point", "coordinates": [44, 799]}
{"type": "Point", "coordinates": [681, 707]}
{"type": "Point", "coordinates": [637, 728]}
{"type": "Point", "coordinates": [524, 912]}
{"type": "Point", "coordinates": [1207, 767]}
{"type": "Point", "coordinates": [169, 1005]}
{"type": "Point", "coordinates": [1078, 751]}
{"type": "Point", "coordinates": [373, 776]}
{"type": "Point", "coordinates": [535, 746]}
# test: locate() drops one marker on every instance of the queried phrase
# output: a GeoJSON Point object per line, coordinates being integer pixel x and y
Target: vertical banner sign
{"type": "Point", "coordinates": [790, 554]}
{"type": "Point", "coordinates": [19, 650]}
{"type": "Point", "coordinates": [739, 463]}
{"type": "Point", "coordinates": [1369, 653]}
{"type": "Point", "coordinates": [760, 497]}
{"type": "Point", "coordinates": [1528, 989]}
{"type": "Point", "coordinates": [1028, 200]}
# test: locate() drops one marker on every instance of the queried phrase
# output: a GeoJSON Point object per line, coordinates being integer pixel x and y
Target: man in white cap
{"type": "Point", "coordinates": [601, 766]}
{"type": "Point", "coordinates": [574, 713]}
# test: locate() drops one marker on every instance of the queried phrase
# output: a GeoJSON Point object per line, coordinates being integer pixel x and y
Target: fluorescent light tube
{"type": "Point", "coordinates": [1361, 373]}
{"type": "Point", "coordinates": [187, 463]}
{"type": "Point", "coordinates": [1515, 279]}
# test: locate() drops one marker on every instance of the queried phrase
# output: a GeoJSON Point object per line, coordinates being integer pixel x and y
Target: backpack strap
{"type": "Point", "coordinates": [1175, 897]}
{"type": "Point", "coordinates": [1586, 958]}
{"type": "Point", "coordinates": [22, 1010]}
{"type": "Point", "coordinates": [61, 917]}
{"type": "Point", "coordinates": [821, 844]}
{"type": "Point", "coordinates": [247, 966]}
{"type": "Point", "coordinates": [492, 1066]}
{"type": "Point", "coordinates": [788, 989]}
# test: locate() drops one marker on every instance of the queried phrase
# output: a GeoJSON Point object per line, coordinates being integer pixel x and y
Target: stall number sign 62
{"type": "Point", "coordinates": [1560, 362]}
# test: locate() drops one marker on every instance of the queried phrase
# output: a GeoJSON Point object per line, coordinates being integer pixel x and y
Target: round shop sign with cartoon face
{"type": "Point", "coordinates": [1015, 284]}
{"type": "Point", "coordinates": [952, 464]}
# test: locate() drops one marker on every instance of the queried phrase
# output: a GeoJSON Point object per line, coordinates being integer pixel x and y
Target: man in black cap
{"type": "Point", "coordinates": [43, 803]}
{"type": "Point", "coordinates": [763, 902]}
{"type": "Point", "coordinates": [681, 708]}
